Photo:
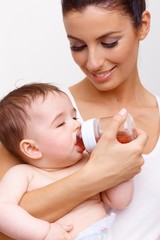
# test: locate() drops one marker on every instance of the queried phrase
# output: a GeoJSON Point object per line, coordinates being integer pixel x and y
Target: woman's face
{"type": "Point", "coordinates": [104, 44]}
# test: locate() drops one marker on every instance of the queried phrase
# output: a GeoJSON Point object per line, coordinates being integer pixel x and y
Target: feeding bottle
{"type": "Point", "coordinates": [92, 129]}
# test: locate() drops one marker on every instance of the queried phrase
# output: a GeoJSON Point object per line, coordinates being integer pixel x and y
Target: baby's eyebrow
{"type": "Point", "coordinates": [56, 117]}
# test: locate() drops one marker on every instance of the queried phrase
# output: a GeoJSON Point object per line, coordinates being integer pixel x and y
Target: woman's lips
{"type": "Point", "coordinates": [101, 77]}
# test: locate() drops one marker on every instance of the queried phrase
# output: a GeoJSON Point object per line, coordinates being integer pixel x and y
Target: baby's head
{"type": "Point", "coordinates": [37, 122]}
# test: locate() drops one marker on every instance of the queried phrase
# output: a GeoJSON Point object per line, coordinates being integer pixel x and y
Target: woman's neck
{"type": "Point", "coordinates": [127, 95]}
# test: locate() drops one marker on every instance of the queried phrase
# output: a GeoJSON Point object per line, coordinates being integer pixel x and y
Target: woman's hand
{"type": "Point", "coordinates": [112, 162]}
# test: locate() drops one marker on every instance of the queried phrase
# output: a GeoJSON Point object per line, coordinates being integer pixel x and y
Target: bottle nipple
{"type": "Point", "coordinates": [80, 142]}
{"type": "Point", "coordinates": [86, 136]}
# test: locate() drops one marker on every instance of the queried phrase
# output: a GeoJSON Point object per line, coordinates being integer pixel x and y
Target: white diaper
{"type": "Point", "coordinates": [100, 230]}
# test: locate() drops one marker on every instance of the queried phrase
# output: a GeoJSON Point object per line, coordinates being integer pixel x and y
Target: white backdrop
{"type": "Point", "coordinates": [33, 46]}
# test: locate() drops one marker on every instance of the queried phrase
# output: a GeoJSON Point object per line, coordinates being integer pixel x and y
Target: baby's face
{"type": "Point", "coordinates": [53, 127]}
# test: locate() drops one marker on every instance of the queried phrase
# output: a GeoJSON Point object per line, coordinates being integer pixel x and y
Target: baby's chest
{"type": "Point", "coordinates": [40, 180]}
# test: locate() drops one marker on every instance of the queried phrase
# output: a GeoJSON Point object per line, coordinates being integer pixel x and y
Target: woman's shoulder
{"type": "Point", "coordinates": [158, 98]}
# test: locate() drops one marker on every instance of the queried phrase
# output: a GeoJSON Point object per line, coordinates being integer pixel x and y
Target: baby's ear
{"type": "Point", "coordinates": [30, 149]}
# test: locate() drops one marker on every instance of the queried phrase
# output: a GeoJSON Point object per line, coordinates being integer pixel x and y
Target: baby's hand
{"type": "Point", "coordinates": [59, 232]}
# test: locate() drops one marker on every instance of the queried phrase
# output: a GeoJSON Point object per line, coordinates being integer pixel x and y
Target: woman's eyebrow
{"type": "Point", "coordinates": [102, 36]}
{"type": "Point", "coordinates": [107, 34]}
{"type": "Point", "coordinates": [72, 37]}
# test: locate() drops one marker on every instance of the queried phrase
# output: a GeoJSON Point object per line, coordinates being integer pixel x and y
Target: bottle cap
{"type": "Point", "coordinates": [88, 134]}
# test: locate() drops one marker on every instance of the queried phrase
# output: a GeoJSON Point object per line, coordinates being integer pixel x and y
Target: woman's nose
{"type": "Point", "coordinates": [94, 60]}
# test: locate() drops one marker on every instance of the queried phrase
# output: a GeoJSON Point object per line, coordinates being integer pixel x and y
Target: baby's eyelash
{"type": "Point", "coordinates": [61, 124]}
{"type": "Point", "coordinates": [75, 118]}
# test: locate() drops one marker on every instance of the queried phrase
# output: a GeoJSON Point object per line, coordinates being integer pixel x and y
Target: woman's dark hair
{"type": "Point", "coordinates": [14, 113]}
{"type": "Point", "coordinates": [132, 8]}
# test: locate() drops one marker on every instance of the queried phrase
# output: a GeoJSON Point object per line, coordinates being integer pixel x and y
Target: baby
{"type": "Point", "coordinates": [38, 123]}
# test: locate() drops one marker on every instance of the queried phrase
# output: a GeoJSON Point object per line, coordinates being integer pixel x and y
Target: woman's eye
{"type": "Point", "coordinates": [110, 44]}
{"type": "Point", "coordinates": [77, 49]}
{"type": "Point", "coordinates": [75, 118]}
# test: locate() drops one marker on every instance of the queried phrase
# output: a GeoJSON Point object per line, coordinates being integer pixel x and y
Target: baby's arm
{"type": "Point", "coordinates": [119, 196]}
{"type": "Point", "coordinates": [14, 220]}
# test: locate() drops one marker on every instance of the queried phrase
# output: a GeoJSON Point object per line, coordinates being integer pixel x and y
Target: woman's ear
{"type": "Point", "coordinates": [145, 25]}
{"type": "Point", "coordinates": [30, 149]}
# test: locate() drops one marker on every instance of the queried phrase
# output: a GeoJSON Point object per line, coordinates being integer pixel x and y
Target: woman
{"type": "Point", "coordinates": [104, 39]}
{"type": "Point", "coordinates": [110, 163]}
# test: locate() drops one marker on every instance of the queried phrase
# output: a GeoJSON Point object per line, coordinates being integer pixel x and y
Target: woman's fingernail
{"type": "Point", "coordinates": [123, 111]}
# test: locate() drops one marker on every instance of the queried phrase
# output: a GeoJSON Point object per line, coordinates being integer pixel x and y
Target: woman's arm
{"type": "Point", "coordinates": [4, 237]}
{"type": "Point", "coordinates": [6, 160]}
{"type": "Point", "coordinates": [110, 164]}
